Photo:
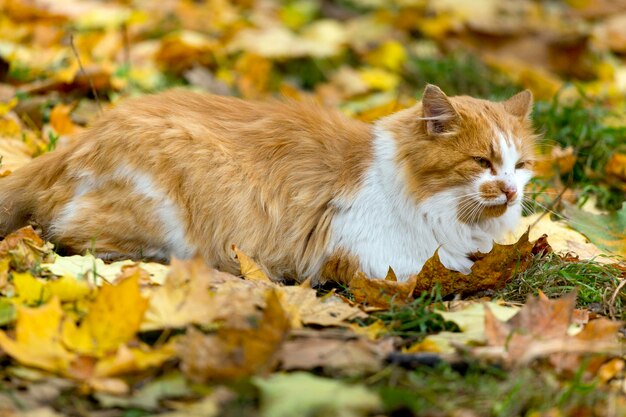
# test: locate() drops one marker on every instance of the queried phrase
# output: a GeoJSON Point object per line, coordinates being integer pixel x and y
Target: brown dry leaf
{"type": "Point", "coordinates": [616, 166]}
{"type": "Point", "coordinates": [15, 154]}
{"type": "Point", "coordinates": [184, 298]}
{"type": "Point", "coordinates": [490, 271]}
{"type": "Point", "coordinates": [379, 292]}
{"type": "Point", "coordinates": [540, 330]}
{"type": "Point", "coordinates": [351, 356]}
{"type": "Point", "coordinates": [25, 249]}
{"type": "Point", "coordinates": [306, 308]}
{"type": "Point", "coordinates": [236, 352]}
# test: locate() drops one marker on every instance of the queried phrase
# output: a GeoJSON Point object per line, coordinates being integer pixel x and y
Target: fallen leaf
{"type": "Point", "coordinates": [560, 161]}
{"type": "Point", "coordinates": [25, 249]}
{"type": "Point", "coordinates": [60, 119]}
{"type": "Point", "coordinates": [471, 322]}
{"type": "Point", "coordinates": [127, 360]}
{"type": "Point", "coordinates": [616, 165]}
{"type": "Point", "coordinates": [37, 340]}
{"type": "Point", "coordinates": [349, 357]}
{"type": "Point", "coordinates": [300, 394]}
{"type": "Point", "coordinates": [95, 270]}
{"type": "Point", "coordinates": [607, 231]}
{"type": "Point", "coordinates": [379, 292]}
{"type": "Point", "coordinates": [489, 271]}
{"type": "Point", "coordinates": [112, 319]}
{"type": "Point", "coordinates": [541, 330]}
{"type": "Point", "coordinates": [235, 352]}
{"type": "Point", "coordinates": [30, 290]}
{"type": "Point", "coordinates": [249, 269]}
{"type": "Point", "coordinates": [306, 308]}
{"type": "Point", "coordinates": [563, 239]}
{"type": "Point", "coordinates": [149, 395]}
{"type": "Point", "coordinates": [184, 298]}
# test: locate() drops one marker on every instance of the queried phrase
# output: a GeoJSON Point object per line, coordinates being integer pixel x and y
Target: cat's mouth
{"type": "Point", "coordinates": [477, 210]}
{"type": "Point", "coordinates": [495, 210]}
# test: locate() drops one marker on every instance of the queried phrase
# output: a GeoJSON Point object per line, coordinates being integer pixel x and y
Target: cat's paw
{"type": "Point", "coordinates": [456, 262]}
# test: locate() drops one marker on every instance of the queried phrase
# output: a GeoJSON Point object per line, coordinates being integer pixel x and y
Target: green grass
{"type": "Point", "coordinates": [582, 125]}
{"type": "Point", "coordinates": [596, 283]}
{"type": "Point", "coordinates": [460, 75]}
{"type": "Point", "coordinates": [416, 320]}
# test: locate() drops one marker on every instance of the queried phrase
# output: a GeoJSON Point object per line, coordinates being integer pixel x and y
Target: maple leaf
{"type": "Point", "coordinates": [31, 290]}
{"type": "Point", "coordinates": [489, 271]}
{"type": "Point", "coordinates": [540, 330]}
{"type": "Point", "coordinates": [37, 340]}
{"type": "Point", "coordinates": [184, 298]}
{"type": "Point", "coordinates": [113, 319]}
{"type": "Point", "coordinates": [236, 352]}
{"type": "Point", "coordinates": [381, 293]}
{"type": "Point", "coordinates": [334, 353]}
{"type": "Point", "coordinates": [305, 308]}
{"type": "Point", "coordinates": [25, 249]}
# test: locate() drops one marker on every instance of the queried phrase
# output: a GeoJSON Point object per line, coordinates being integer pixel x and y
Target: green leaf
{"type": "Point", "coordinates": [7, 311]}
{"type": "Point", "coordinates": [607, 231]}
{"type": "Point", "coordinates": [302, 394]}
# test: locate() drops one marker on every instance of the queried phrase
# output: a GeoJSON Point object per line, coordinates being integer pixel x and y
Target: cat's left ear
{"type": "Point", "coordinates": [520, 104]}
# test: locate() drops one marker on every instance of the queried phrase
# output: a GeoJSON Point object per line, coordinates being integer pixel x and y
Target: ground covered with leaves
{"type": "Point", "coordinates": [534, 330]}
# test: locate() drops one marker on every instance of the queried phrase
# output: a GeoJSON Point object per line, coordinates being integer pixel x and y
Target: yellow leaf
{"type": "Point", "coordinates": [249, 268]}
{"type": "Point", "coordinates": [37, 342]}
{"type": "Point", "coordinates": [69, 289]}
{"type": "Point", "coordinates": [379, 79]}
{"type": "Point", "coordinates": [112, 320]}
{"type": "Point", "coordinates": [29, 289]}
{"type": "Point", "coordinates": [305, 308]}
{"type": "Point", "coordinates": [184, 298]}
{"type": "Point", "coordinates": [5, 107]}
{"type": "Point", "coordinates": [127, 360]}
{"type": "Point", "coordinates": [390, 55]}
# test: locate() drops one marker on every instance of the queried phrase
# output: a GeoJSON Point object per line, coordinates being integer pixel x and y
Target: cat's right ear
{"type": "Point", "coordinates": [437, 111]}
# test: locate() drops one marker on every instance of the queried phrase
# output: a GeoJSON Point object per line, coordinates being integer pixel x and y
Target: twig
{"type": "Point", "coordinates": [614, 297]}
{"type": "Point", "coordinates": [82, 70]}
{"type": "Point", "coordinates": [552, 204]}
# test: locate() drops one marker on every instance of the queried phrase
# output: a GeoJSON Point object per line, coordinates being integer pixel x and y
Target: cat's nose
{"type": "Point", "coordinates": [510, 191]}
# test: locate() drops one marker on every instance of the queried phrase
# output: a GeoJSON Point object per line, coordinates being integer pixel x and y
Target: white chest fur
{"type": "Point", "coordinates": [384, 227]}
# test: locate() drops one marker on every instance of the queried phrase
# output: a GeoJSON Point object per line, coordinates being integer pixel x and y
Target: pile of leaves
{"type": "Point", "coordinates": [533, 330]}
{"type": "Point", "coordinates": [83, 337]}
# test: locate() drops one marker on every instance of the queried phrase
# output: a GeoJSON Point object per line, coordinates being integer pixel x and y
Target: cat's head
{"type": "Point", "coordinates": [478, 152]}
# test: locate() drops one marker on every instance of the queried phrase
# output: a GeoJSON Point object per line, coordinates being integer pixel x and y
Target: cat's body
{"type": "Point", "coordinates": [305, 191]}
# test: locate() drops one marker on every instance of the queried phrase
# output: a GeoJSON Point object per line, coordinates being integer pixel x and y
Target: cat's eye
{"type": "Point", "coordinates": [483, 162]}
{"type": "Point", "coordinates": [520, 165]}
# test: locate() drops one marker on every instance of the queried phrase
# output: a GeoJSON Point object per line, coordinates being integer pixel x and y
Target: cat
{"type": "Point", "coordinates": [303, 190]}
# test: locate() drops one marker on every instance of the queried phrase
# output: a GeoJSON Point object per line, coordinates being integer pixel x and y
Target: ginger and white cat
{"type": "Point", "coordinates": [302, 189]}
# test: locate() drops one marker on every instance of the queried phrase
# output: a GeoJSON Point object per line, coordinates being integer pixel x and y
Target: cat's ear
{"type": "Point", "coordinates": [437, 111]}
{"type": "Point", "coordinates": [520, 104]}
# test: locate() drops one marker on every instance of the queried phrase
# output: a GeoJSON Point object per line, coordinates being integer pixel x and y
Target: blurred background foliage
{"type": "Point", "coordinates": [61, 61]}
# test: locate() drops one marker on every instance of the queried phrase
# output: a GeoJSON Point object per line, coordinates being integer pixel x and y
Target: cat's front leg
{"type": "Point", "coordinates": [456, 261]}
